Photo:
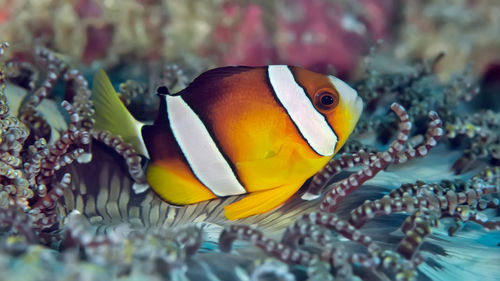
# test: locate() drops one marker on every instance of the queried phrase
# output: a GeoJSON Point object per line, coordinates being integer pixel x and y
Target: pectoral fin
{"type": "Point", "coordinates": [289, 164]}
{"type": "Point", "coordinates": [270, 171]}
{"type": "Point", "coordinates": [261, 201]}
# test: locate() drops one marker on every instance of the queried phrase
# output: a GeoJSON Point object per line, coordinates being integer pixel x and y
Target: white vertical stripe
{"type": "Point", "coordinates": [349, 98]}
{"type": "Point", "coordinates": [347, 94]}
{"type": "Point", "coordinates": [311, 123]}
{"type": "Point", "coordinates": [201, 152]}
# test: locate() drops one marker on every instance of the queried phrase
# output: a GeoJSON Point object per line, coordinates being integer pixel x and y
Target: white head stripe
{"type": "Point", "coordinates": [201, 152]}
{"type": "Point", "coordinates": [347, 93]}
{"type": "Point", "coordinates": [311, 123]}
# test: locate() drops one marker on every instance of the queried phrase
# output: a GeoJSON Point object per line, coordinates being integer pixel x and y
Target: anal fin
{"type": "Point", "coordinates": [261, 201]}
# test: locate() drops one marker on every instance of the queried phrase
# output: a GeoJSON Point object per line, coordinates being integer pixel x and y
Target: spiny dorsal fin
{"type": "Point", "coordinates": [112, 115]}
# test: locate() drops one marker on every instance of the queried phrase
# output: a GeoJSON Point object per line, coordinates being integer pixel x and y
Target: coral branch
{"type": "Point", "coordinates": [423, 197]}
{"type": "Point", "coordinates": [61, 146]}
{"type": "Point", "coordinates": [17, 219]}
{"type": "Point", "coordinates": [416, 228]}
{"type": "Point", "coordinates": [270, 246]}
{"type": "Point", "coordinates": [77, 234]}
{"type": "Point", "coordinates": [132, 159]}
{"type": "Point", "coordinates": [27, 170]}
{"type": "Point", "coordinates": [393, 154]}
{"type": "Point", "coordinates": [287, 253]}
{"type": "Point", "coordinates": [332, 168]}
{"type": "Point", "coordinates": [302, 228]}
{"type": "Point", "coordinates": [42, 92]}
{"type": "Point", "coordinates": [3, 47]}
{"type": "Point", "coordinates": [173, 77]}
{"type": "Point", "coordinates": [190, 238]}
{"type": "Point", "coordinates": [32, 167]}
{"type": "Point", "coordinates": [53, 67]}
{"type": "Point", "coordinates": [58, 150]}
{"type": "Point", "coordinates": [81, 101]}
{"type": "Point", "coordinates": [428, 203]}
{"type": "Point", "coordinates": [50, 199]}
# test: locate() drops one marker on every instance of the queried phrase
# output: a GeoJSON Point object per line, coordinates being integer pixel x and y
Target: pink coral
{"type": "Point", "coordinates": [316, 38]}
{"type": "Point", "coordinates": [315, 34]}
{"type": "Point", "coordinates": [248, 41]}
{"type": "Point", "coordinates": [99, 39]}
{"type": "Point", "coordinates": [87, 8]}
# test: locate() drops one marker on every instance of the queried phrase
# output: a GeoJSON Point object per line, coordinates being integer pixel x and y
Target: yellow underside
{"type": "Point", "coordinates": [176, 186]}
{"type": "Point", "coordinates": [270, 181]}
{"type": "Point", "coordinates": [261, 201]}
{"type": "Point", "coordinates": [291, 164]}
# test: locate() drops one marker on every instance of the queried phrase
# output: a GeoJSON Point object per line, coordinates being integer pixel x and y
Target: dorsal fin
{"type": "Point", "coordinates": [214, 76]}
{"type": "Point", "coordinates": [161, 118]}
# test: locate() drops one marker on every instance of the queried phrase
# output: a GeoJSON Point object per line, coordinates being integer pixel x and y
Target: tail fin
{"type": "Point", "coordinates": [112, 115]}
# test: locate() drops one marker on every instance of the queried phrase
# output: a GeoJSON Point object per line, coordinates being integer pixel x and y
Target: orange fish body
{"type": "Point", "coordinates": [236, 130]}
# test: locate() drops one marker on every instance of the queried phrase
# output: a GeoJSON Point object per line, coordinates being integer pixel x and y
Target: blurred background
{"type": "Point", "coordinates": [323, 35]}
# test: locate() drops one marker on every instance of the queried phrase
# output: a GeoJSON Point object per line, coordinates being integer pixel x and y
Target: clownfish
{"type": "Point", "coordinates": [236, 130]}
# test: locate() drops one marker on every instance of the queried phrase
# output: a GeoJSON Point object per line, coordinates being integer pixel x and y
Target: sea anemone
{"type": "Point", "coordinates": [413, 194]}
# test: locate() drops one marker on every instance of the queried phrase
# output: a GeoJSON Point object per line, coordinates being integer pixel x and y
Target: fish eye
{"type": "Point", "coordinates": [326, 100]}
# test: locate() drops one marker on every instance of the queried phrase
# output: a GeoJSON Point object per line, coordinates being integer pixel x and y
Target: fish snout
{"type": "Point", "coordinates": [349, 97]}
